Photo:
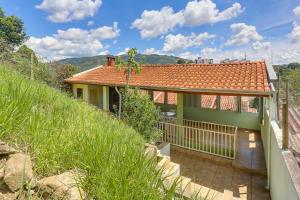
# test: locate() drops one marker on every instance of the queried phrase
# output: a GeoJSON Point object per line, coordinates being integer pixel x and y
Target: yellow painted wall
{"type": "Point", "coordinates": [85, 89]}
{"type": "Point", "coordinates": [94, 94]}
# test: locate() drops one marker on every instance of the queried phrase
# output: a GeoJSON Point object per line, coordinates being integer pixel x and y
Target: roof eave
{"type": "Point", "coordinates": [184, 90]}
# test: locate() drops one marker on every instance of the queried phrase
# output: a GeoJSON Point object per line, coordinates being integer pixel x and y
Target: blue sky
{"type": "Point", "coordinates": [264, 29]}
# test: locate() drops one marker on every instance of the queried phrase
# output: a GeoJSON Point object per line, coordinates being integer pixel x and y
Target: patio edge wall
{"type": "Point", "coordinates": [283, 170]}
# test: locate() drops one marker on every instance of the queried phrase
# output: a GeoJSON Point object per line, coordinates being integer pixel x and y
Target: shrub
{"type": "Point", "coordinates": [140, 112]}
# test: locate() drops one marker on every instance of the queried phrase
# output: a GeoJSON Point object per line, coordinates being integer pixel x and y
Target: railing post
{"type": "Point", "coordinates": [285, 121]}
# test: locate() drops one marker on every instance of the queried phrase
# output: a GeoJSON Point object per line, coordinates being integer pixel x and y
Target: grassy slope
{"type": "Point", "coordinates": [89, 62]}
{"type": "Point", "coordinates": [61, 133]}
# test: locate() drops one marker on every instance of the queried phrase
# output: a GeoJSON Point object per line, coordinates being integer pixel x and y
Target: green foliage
{"type": "Point", "coordinates": [181, 61]}
{"type": "Point", "coordinates": [86, 63]}
{"type": "Point", "coordinates": [141, 113]}
{"type": "Point", "coordinates": [254, 103]}
{"type": "Point", "coordinates": [60, 72]}
{"type": "Point", "coordinates": [294, 82]}
{"type": "Point", "coordinates": [62, 133]}
{"type": "Point", "coordinates": [294, 65]}
{"type": "Point", "coordinates": [2, 14]}
{"type": "Point", "coordinates": [21, 62]}
{"type": "Point", "coordinates": [26, 53]}
{"type": "Point", "coordinates": [130, 65]}
{"type": "Point", "coordinates": [5, 50]}
{"type": "Point", "coordinates": [12, 29]}
{"type": "Point", "coordinates": [51, 73]}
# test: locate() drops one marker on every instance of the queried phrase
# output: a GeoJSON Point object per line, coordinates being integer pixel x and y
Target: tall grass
{"type": "Point", "coordinates": [61, 133]}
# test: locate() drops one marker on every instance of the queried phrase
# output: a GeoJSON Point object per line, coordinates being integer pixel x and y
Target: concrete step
{"type": "Point", "coordinates": [197, 191]}
{"type": "Point", "coordinates": [163, 161]}
{"type": "Point", "coordinates": [183, 185]}
{"type": "Point", "coordinates": [173, 169]}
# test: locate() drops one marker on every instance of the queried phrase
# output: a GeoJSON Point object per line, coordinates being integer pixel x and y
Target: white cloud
{"type": "Point", "coordinates": [208, 51]}
{"type": "Point", "coordinates": [154, 23]}
{"type": "Point", "coordinates": [188, 55]}
{"type": "Point", "coordinates": [124, 51]}
{"type": "Point", "coordinates": [243, 34]}
{"type": "Point", "coordinates": [258, 45]}
{"type": "Point", "coordinates": [150, 51]}
{"type": "Point", "coordinates": [297, 11]}
{"type": "Point", "coordinates": [206, 12]}
{"type": "Point", "coordinates": [179, 41]}
{"type": "Point", "coordinates": [280, 52]}
{"type": "Point", "coordinates": [90, 23]}
{"type": "Point", "coordinates": [106, 32]}
{"type": "Point", "coordinates": [295, 34]}
{"type": "Point", "coordinates": [69, 10]}
{"type": "Point", "coordinates": [73, 42]}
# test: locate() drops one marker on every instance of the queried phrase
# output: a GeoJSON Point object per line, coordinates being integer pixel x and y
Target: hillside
{"type": "Point", "coordinates": [89, 62]}
{"type": "Point", "coordinates": [62, 133]}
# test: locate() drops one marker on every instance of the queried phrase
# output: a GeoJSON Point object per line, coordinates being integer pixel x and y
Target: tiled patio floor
{"type": "Point", "coordinates": [250, 152]}
{"type": "Point", "coordinates": [221, 177]}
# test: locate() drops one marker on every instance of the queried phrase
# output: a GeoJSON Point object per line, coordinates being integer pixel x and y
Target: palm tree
{"type": "Point", "coordinates": [130, 65]}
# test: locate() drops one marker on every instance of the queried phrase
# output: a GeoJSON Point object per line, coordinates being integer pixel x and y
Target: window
{"type": "Point", "coordinates": [79, 93]}
{"type": "Point", "coordinates": [209, 101]}
{"type": "Point", "coordinates": [228, 103]}
{"type": "Point", "coordinates": [250, 104]}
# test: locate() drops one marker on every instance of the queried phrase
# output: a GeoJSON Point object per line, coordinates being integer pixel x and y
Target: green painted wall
{"type": "Point", "coordinates": [242, 120]}
{"type": "Point", "coordinates": [180, 109]}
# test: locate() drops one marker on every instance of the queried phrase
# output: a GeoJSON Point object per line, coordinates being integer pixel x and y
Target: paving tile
{"type": "Point", "coordinates": [243, 184]}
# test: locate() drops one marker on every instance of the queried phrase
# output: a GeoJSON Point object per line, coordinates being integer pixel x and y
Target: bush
{"type": "Point", "coordinates": [140, 112]}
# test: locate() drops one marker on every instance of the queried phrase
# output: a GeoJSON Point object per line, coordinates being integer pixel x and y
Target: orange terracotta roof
{"type": "Point", "coordinates": [236, 78]}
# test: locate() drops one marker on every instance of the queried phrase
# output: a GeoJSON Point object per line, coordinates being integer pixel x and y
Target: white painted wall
{"type": "Point", "coordinates": [282, 167]}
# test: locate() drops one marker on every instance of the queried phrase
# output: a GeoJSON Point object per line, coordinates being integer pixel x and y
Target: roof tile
{"type": "Point", "coordinates": [251, 76]}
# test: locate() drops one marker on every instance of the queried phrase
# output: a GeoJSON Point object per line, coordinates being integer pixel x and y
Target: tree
{"type": "Point", "coordinates": [130, 65]}
{"type": "Point", "coordinates": [180, 61]}
{"type": "Point", "coordinates": [25, 52]}
{"type": "Point", "coordinates": [5, 50]}
{"type": "Point", "coordinates": [12, 29]}
{"type": "Point", "coordinates": [1, 13]}
{"type": "Point", "coordinates": [293, 65]}
{"type": "Point", "coordinates": [60, 72]}
{"type": "Point", "coordinates": [294, 83]}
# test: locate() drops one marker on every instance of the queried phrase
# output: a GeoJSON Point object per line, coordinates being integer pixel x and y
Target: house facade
{"type": "Point", "coordinates": [230, 94]}
{"type": "Point", "coordinates": [211, 103]}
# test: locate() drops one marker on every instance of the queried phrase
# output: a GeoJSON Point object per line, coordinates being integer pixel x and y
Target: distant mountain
{"type": "Point", "coordinates": [86, 63]}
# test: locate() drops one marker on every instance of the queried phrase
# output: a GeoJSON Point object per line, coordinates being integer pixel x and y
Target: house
{"type": "Point", "coordinates": [226, 110]}
{"type": "Point", "coordinates": [189, 82]}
